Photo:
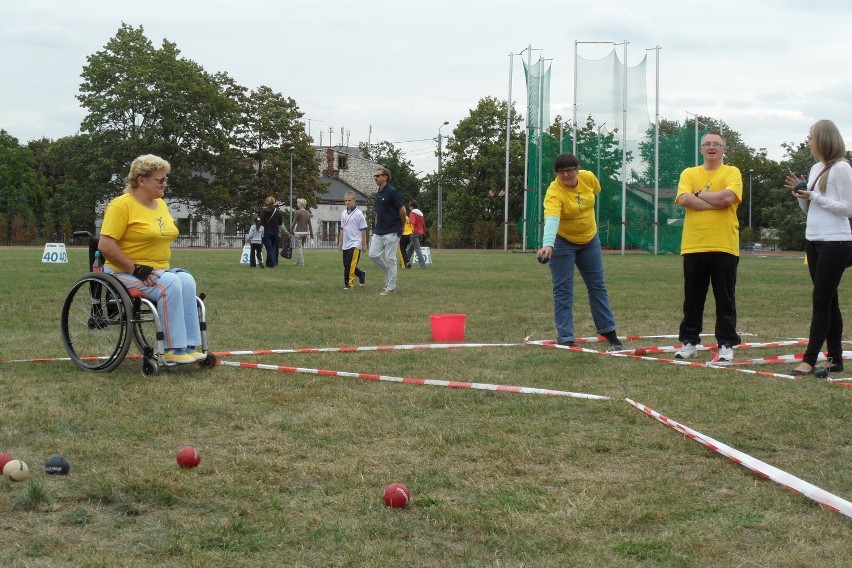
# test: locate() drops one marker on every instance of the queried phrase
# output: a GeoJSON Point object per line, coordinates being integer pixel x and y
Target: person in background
{"type": "Point", "coordinates": [390, 218]}
{"type": "Point", "coordinates": [571, 239]}
{"type": "Point", "coordinates": [404, 240]}
{"type": "Point", "coordinates": [255, 240]}
{"type": "Point", "coordinates": [352, 241]}
{"type": "Point", "coordinates": [419, 230]}
{"type": "Point", "coordinates": [826, 199]}
{"type": "Point", "coordinates": [710, 247]}
{"type": "Point", "coordinates": [301, 229]}
{"type": "Point", "coordinates": [135, 239]}
{"type": "Point", "coordinates": [271, 218]}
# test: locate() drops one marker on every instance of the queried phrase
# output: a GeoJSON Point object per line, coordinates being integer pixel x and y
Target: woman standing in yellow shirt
{"type": "Point", "coordinates": [571, 239]}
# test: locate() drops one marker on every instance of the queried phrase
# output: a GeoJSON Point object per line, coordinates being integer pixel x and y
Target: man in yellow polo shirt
{"type": "Point", "coordinates": [710, 247]}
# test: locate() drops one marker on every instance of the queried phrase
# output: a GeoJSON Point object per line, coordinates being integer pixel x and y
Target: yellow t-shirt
{"type": "Point", "coordinates": [714, 230]}
{"type": "Point", "coordinates": [145, 235]}
{"type": "Point", "coordinates": [575, 207]}
{"type": "Point", "coordinates": [408, 228]}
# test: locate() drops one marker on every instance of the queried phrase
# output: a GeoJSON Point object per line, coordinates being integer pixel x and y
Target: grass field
{"type": "Point", "coordinates": [294, 465]}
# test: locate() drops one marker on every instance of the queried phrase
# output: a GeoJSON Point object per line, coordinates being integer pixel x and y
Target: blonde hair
{"type": "Point", "coordinates": [301, 202]}
{"type": "Point", "coordinates": [144, 166]}
{"type": "Point", "coordinates": [827, 146]}
{"type": "Point", "coordinates": [270, 201]}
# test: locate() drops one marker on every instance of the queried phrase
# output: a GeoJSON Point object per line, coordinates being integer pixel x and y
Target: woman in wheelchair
{"type": "Point", "coordinates": [135, 241]}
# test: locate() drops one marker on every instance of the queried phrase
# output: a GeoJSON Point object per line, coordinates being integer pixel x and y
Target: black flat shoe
{"type": "Point", "coordinates": [798, 373]}
{"type": "Point", "coordinates": [836, 368]}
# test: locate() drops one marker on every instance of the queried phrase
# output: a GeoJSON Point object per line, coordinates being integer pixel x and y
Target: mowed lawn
{"type": "Point", "coordinates": [294, 465]}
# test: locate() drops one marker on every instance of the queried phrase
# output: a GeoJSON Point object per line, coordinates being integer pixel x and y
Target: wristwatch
{"type": "Point", "coordinates": [697, 192]}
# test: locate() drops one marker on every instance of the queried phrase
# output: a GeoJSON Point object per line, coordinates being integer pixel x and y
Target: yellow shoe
{"type": "Point", "coordinates": [178, 358]}
{"type": "Point", "coordinates": [197, 355]}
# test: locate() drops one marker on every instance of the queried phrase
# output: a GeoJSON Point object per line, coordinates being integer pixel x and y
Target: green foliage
{"type": "Point", "coordinates": [474, 169]}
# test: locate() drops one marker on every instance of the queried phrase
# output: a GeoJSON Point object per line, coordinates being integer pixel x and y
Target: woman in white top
{"type": "Point", "coordinates": [826, 198]}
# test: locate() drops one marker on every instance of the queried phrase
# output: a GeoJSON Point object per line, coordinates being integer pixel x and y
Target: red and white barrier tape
{"type": "Point", "coordinates": [761, 468]}
{"type": "Point", "coordinates": [771, 359]}
{"type": "Point", "coordinates": [628, 353]}
{"type": "Point", "coordinates": [415, 381]}
{"type": "Point", "coordinates": [360, 349]}
{"type": "Point", "coordinates": [702, 347]}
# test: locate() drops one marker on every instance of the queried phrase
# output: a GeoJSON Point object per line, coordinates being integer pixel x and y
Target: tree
{"type": "Point", "coordinates": [268, 129]}
{"type": "Point", "coordinates": [473, 174]}
{"type": "Point", "coordinates": [22, 190]}
{"type": "Point", "coordinates": [143, 100]}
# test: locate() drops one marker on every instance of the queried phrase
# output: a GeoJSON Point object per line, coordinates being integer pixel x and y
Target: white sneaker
{"type": "Point", "coordinates": [726, 353]}
{"type": "Point", "coordinates": [686, 351]}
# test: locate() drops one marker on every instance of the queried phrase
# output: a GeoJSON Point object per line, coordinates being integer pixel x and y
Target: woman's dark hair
{"type": "Point", "coordinates": [566, 160]}
{"type": "Point", "coordinates": [413, 204]}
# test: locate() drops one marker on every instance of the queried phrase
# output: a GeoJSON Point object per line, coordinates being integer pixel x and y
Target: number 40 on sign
{"type": "Point", "coordinates": [54, 253]}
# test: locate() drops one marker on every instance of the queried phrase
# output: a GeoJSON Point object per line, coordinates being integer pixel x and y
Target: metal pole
{"type": "Point", "coordinates": [657, 155]}
{"type": "Point", "coordinates": [749, 202]}
{"type": "Point", "coordinates": [291, 186]}
{"type": "Point", "coordinates": [440, 195]}
{"type": "Point", "coordinates": [508, 146]}
{"type": "Point", "coordinates": [624, 154]}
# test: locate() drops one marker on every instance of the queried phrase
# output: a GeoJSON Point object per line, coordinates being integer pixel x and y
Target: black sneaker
{"type": "Point", "coordinates": [565, 343]}
{"type": "Point", "coordinates": [362, 279]}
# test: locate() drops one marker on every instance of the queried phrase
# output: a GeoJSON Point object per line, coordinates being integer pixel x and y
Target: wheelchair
{"type": "Point", "coordinates": [100, 316]}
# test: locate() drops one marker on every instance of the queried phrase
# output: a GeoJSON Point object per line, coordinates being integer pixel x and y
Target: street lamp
{"type": "Point", "coordinates": [749, 200]}
{"type": "Point", "coordinates": [440, 195]}
{"type": "Point", "coordinates": [292, 149]}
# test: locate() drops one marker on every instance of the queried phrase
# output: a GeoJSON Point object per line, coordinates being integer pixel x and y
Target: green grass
{"type": "Point", "coordinates": [294, 465]}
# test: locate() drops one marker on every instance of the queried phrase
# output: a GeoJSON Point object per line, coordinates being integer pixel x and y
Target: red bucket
{"type": "Point", "coordinates": [447, 327]}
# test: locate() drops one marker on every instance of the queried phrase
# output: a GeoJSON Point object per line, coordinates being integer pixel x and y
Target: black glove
{"type": "Point", "coordinates": [142, 272]}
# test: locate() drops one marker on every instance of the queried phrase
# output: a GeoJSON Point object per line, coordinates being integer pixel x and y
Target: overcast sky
{"type": "Point", "coordinates": [769, 69]}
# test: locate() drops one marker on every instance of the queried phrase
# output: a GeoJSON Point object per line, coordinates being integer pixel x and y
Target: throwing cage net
{"type": "Point", "coordinates": [612, 135]}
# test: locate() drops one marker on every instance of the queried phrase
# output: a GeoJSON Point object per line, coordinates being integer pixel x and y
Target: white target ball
{"type": "Point", "coordinates": [16, 470]}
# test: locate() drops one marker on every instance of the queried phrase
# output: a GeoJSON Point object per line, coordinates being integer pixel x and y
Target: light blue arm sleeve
{"type": "Point", "coordinates": [551, 225]}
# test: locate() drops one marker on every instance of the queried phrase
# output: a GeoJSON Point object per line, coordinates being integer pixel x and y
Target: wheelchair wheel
{"type": "Point", "coordinates": [94, 325]}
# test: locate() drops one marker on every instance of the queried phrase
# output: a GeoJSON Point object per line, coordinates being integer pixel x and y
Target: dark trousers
{"type": "Point", "coordinates": [404, 241]}
{"type": "Point", "coordinates": [270, 242]}
{"type": "Point", "coordinates": [256, 249]}
{"type": "Point", "coordinates": [826, 262]}
{"type": "Point", "coordinates": [350, 266]}
{"type": "Point", "coordinates": [700, 270]}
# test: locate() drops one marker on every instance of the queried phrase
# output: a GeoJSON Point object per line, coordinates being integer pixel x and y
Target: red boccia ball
{"type": "Point", "coordinates": [188, 457]}
{"type": "Point", "coordinates": [4, 459]}
{"type": "Point", "coordinates": [397, 496]}
{"type": "Point", "coordinates": [640, 351]}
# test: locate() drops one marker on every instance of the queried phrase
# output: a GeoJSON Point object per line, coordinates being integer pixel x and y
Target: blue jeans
{"type": "Point", "coordinates": [589, 260]}
{"type": "Point", "coordinates": [174, 295]}
{"type": "Point", "coordinates": [270, 242]}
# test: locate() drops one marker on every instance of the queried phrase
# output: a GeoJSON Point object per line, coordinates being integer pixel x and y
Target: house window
{"type": "Point", "coordinates": [183, 225]}
{"type": "Point", "coordinates": [329, 231]}
{"type": "Point", "coordinates": [342, 162]}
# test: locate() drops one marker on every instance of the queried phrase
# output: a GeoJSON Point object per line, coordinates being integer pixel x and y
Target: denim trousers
{"type": "Point", "coordinates": [270, 242]}
{"type": "Point", "coordinates": [827, 260]}
{"type": "Point", "coordinates": [589, 261]}
{"type": "Point", "coordinates": [174, 293]}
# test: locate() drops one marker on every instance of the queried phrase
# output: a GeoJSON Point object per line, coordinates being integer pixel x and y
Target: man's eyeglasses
{"type": "Point", "coordinates": [378, 175]}
{"type": "Point", "coordinates": [564, 171]}
{"type": "Point", "coordinates": [712, 145]}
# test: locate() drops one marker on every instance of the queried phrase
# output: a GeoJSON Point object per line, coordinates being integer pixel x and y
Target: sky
{"type": "Point", "coordinates": [396, 71]}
